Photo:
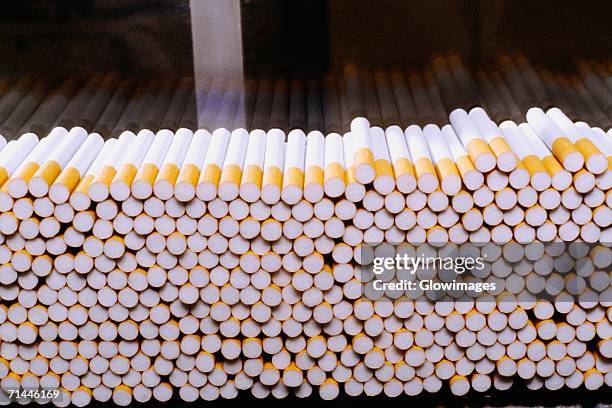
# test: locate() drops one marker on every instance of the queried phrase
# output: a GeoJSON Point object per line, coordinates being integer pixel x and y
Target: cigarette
{"type": "Point", "coordinates": [273, 167]}
{"type": "Point", "coordinates": [163, 187]}
{"type": "Point", "coordinates": [252, 177]}
{"type": "Point", "coordinates": [79, 199]}
{"type": "Point", "coordinates": [293, 174]}
{"type": "Point", "coordinates": [540, 178]}
{"type": "Point", "coordinates": [40, 182]}
{"type": "Point", "coordinates": [314, 167]}
{"type": "Point", "coordinates": [99, 188]}
{"type": "Point", "coordinates": [594, 160]}
{"type": "Point", "coordinates": [69, 178]}
{"type": "Point", "coordinates": [14, 154]}
{"type": "Point", "coordinates": [148, 168]}
{"type": "Point", "coordinates": [187, 179]}
{"type": "Point", "coordinates": [354, 190]}
{"type": "Point", "coordinates": [231, 174]}
{"type": "Point", "coordinates": [120, 186]}
{"type": "Point", "coordinates": [210, 175]}
{"type": "Point", "coordinates": [560, 178]}
{"type": "Point", "coordinates": [555, 139]}
{"type": "Point", "coordinates": [363, 156]}
{"type": "Point", "coordinates": [334, 171]}
{"type": "Point", "coordinates": [17, 186]}
{"type": "Point", "coordinates": [427, 181]}
{"type": "Point", "coordinates": [472, 178]}
{"type": "Point", "coordinates": [506, 160]}
{"type": "Point", "coordinates": [598, 136]}
{"type": "Point", "coordinates": [450, 180]}
{"type": "Point", "coordinates": [475, 145]}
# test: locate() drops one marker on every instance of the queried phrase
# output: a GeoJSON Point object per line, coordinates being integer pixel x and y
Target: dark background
{"type": "Point", "coordinates": [153, 37]}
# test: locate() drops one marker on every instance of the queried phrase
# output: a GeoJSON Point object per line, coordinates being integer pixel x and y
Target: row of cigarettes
{"type": "Point", "coordinates": [547, 178]}
{"type": "Point", "coordinates": [109, 104]}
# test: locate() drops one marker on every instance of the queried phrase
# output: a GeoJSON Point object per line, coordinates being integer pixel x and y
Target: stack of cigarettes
{"type": "Point", "coordinates": [142, 258]}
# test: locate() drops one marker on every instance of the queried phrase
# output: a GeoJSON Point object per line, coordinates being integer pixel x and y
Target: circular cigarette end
{"type": "Point", "coordinates": [593, 380]}
{"type": "Point", "coordinates": [59, 193]}
{"type": "Point", "coordinates": [519, 178]}
{"type": "Point", "coordinates": [38, 187]}
{"type": "Point", "coordinates": [597, 163]}
{"type": "Point", "coordinates": [228, 191]}
{"type": "Point", "coordinates": [550, 199]}
{"type": "Point", "coordinates": [481, 382]}
{"type": "Point", "coordinates": [604, 181]}
{"type": "Point", "coordinates": [524, 234]}
{"type": "Point", "coordinates": [8, 223]}
{"type": "Point", "coordinates": [584, 182]}
{"type": "Point", "coordinates": [364, 173]}
{"type": "Point", "coordinates": [459, 385]}
{"type": "Point", "coordinates": [81, 397]}
{"type": "Point", "coordinates": [23, 208]}
{"type": "Point", "coordinates": [485, 162]}
{"type": "Point", "coordinates": [313, 192]}
{"type": "Point", "coordinates": [561, 180]}
{"type": "Point", "coordinates": [114, 248]}
{"type": "Point", "coordinates": [540, 181]}
{"type": "Point", "coordinates": [184, 192]}
{"type": "Point", "coordinates": [122, 396]}
{"type": "Point", "coordinates": [573, 161]}
{"type": "Point", "coordinates": [17, 187]}
{"type": "Point", "coordinates": [249, 192]}
{"type": "Point", "coordinates": [163, 189]}
{"type": "Point", "coordinates": [473, 179]}
{"type": "Point", "coordinates": [355, 192]}
{"type": "Point", "coordinates": [546, 232]}
{"type": "Point", "coordinates": [189, 393]}
{"type": "Point", "coordinates": [27, 333]}
{"type": "Point", "coordinates": [590, 232]}
{"type": "Point", "coordinates": [334, 187]}
{"type": "Point", "coordinates": [406, 183]}
{"type": "Point", "coordinates": [292, 377]}
{"type": "Point", "coordinates": [506, 162]}
{"type": "Point", "coordinates": [437, 236]}
{"type": "Point", "coordinates": [527, 196]}
{"type": "Point", "coordinates": [119, 190]}
{"type": "Point", "coordinates": [6, 201]}
{"type": "Point", "coordinates": [451, 184]}
{"type": "Point", "coordinates": [384, 184]}
{"type": "Point", "coordinates": [80, 201]}
{"type": "Point", "coordinates": [98, 192]}
{"type": "Point", "coordinates": [271, 230]}
{"type": "Point", "coordinates": [569, 231]}
{"type": "Point", "coordinates": [602, 216]}
{"type": "Point", "coordinates": [535, 216]}
{"type": "Point", "coordinates": [329, 390]}
{"type": "Point", "coordinates": [496, 180]}
{"type": "Point", "coordinates": [270, 194]}
{"type": "Point", "coordinates": [506, 199]}
{"type": "Point", "coordinates": [141, 189]}
{"type": "Point", "coordinates": [291, 194]}
{"type": "Point", "coordinates": [462, 202]}
{"type": "Point", "coordinates": [437, 201]}
{"type": "Point", "coordinates": [428, 183]}
{"type": "Point", "coordinates": [206, 191]}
